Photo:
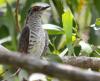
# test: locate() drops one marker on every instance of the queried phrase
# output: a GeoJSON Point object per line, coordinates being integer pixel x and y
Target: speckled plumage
{"type": "Point", "coordinates": [33, 39]}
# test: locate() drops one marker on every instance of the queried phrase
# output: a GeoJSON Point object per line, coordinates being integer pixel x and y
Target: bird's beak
{"type": "Point", "coordinates": [43, 8]}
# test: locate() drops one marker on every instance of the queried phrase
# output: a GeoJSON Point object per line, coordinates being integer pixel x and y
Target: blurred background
{"type": "Point", "coordinates": [73, 27]}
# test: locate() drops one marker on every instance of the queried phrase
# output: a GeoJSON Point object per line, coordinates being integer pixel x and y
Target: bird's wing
{"type": "Point", "coordinates": [24, 41]}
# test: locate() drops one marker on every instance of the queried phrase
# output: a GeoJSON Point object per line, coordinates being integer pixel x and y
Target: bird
{"type": "Point", "coordinates": [34, 39]}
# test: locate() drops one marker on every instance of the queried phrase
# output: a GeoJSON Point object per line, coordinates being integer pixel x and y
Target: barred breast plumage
{"type": "Point", "coordinates": [36, 42]}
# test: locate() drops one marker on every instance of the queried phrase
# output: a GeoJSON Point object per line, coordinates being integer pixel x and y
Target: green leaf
{"type": "Point", "coordinates": [57, 10]}
{"type": "Point", "coordinates": [22, 74]}
{"type": "Point", "coordinates": [3, 32]}
{"type": "Point", "coordinates": [1, 69]}
{"type": "Point", "coordinates": [53, 58]}
{"type": "Point", "coordinates": [63, 53]}
{"type": "Point", "coordinates": [67, 20]}
{"type": "Point", "coordinates": [59, 6]}
{"type": "Point", "coordinates": [53, 29]}
{"type": "Point", "coordinates": [3, 2]}
{"type": "Point", "coordinates": [97, 23]}
{"type": "Point", "coordinates": [85, 48]}
{"type": "Point", "coordinates": [9, 21]}
{"type": "Point", "coordinates": [96, 4]}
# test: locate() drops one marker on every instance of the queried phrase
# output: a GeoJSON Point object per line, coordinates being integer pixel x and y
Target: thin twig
{"type": "Point", "coordinates": [12, 75]}
{"type": "Point", "coordinates": [16, 16]}
{"type": "Point", "coordinates": [3, 72]}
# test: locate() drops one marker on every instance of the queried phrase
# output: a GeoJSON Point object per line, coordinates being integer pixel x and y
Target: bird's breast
{"type": "Point", "coordinates": [36, 42]}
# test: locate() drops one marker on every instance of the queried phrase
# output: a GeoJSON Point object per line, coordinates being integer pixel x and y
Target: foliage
{"type": "Point", "coordinates": [74, 28]}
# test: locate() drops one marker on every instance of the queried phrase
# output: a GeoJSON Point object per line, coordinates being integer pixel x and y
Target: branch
{"type": "Point", "coordinates": [82, 61]}
{"type": "Point", "coordinates": [60, 71]}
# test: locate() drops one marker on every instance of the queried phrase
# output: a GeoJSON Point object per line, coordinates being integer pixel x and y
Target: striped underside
{"type": "Point", "coordinates": [36, 42]}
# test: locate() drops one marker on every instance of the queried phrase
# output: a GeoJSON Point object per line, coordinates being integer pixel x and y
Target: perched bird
{"type": "Point", "coordinates": [34, 39]}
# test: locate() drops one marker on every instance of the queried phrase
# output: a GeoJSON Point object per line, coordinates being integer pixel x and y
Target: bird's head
{"type": "Point", "coordinates": [37, 9]}
{"type": "Point", "coordinates": [35, 13]}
